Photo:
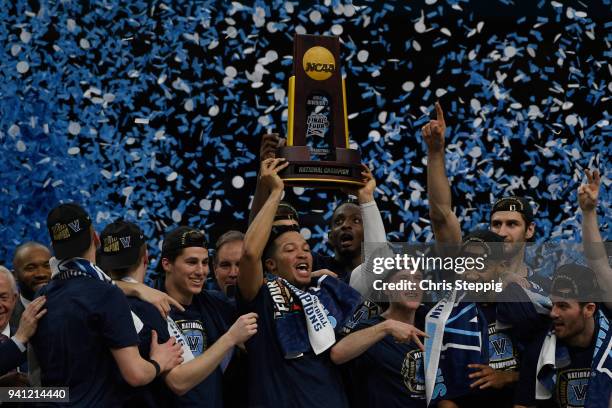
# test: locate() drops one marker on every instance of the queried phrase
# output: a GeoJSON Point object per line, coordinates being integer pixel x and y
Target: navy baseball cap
{"type": "Point", "coordinates": [121, 243]}
{"type": "Point", "coordinates": [514, 203]}
{"type": "Point", "coordinates": [68, 226]}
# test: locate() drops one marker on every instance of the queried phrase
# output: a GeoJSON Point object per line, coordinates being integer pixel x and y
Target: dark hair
{"type": "Point", "coordinates": [122, 272]}
{"type": "Point", "coordinates": [180, 238]}
{"type": "Point", "coordinates": [345, 202]}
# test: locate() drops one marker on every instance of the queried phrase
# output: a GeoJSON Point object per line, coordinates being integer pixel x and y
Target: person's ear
{"type": "Point", "coordinates": [530, 230]}
{"type": "Point", "coordinates": [95, 238]}
{"type": "Point", "coordinates": [165, 262]}
{"type": "Point", "coordinates": [270, 265]}
{"type": "Point", "coordinates": [589, 310]}
{"type": "Point", "coordinates": [145, 260]}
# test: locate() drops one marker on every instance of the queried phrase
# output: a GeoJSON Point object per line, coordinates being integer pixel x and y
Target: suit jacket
{"type": "Point", "coordinates": [16, 316]}
{"type": "Point", "coordinates": [12, 357]}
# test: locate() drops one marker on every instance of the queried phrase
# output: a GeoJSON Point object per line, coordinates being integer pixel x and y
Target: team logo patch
{"type": "Point", "coordinates": [502, 355]}
{"type": "Point", "coordinates": [572, 387]}
{"type": "Point", "coordinates": [413, 373]}
{"type": "Point", "coordinates": [194, 333]}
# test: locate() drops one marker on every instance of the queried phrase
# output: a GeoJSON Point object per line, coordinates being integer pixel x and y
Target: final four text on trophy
{"type": "Point", "coordinates": [317, 131]}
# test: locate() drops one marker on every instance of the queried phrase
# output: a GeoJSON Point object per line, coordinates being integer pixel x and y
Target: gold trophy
{"type": "Point", "coordinates": [317, 130]}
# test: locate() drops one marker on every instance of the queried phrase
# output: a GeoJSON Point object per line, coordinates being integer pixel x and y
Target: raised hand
{"type": "Point", "coordinates": [589, 193]}
{"type": "Point", "coordinates": [268, 173]}
{"type": "Point", "coordinates": [243, 328]}
{"type": "Point", "coordinates": [366, 193]}
{"type": "Point", "coordinates": [269, 143]}
{"type": "Point", "coordinates": [29, 319]}
{"type": "Point", "coordinates": [433, 132]}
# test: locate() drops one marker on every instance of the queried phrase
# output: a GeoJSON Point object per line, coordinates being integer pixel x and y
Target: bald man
{"type": "Point", "coordinates": [32, 271]}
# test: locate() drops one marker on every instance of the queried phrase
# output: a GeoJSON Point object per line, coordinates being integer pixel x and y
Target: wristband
{"type": "Point", "coordinates": [156, 365]}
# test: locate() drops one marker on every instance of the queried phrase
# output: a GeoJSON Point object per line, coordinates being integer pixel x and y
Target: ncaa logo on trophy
{"type": "Point", "coordinates": [317, 130]}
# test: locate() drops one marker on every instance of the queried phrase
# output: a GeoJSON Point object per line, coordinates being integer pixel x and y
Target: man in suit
{"type": "Point", "coordinates": [32, 271]}
{"type": "Point", "coordinates": [14, 338]}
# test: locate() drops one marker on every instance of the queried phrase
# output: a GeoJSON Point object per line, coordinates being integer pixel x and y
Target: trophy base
{"type": "Point", "coordinates": [345, 171]}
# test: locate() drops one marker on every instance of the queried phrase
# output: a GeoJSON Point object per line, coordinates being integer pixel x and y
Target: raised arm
{"type": "Point", "coordinates": [256, 237]}
{"type": "Point", "coordinates": [443, 220]}
{"type": "Point", "coordinates": [594, 249]}
{"type": "Point", "coordinates": [373, 233]}
{"type": "Point", "coordinates": [184, 377]}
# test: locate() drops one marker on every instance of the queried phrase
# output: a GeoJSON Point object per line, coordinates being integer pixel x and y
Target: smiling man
{"type": "Point", "coordinates": [208, 314]}
{"type": "Point", "coordinates": [32, 271]}
{"type": "Point", "coordinates": [289, 363]}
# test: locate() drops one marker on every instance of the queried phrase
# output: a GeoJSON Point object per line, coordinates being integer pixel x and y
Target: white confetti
{"type": "Point", "coordinates": [271, 56]}
{"type": "Point", "coordinates": [205, 204]}
{"type": "Point", "coordinates": [106, 174]}
{"type": "Point", "coordinates": [408, 86]}
{"type": "Point", "coordinates": [84, 43]}
{"type": "Point", "coordinates": [23, 67]}
{"type": "Point", "coordinates": [14, 130]}
{"type": "Point", "coordinates": [531, 52]}
{"type": "Point", "coordinates": [21, 147]}
{"type": "Point", "coordinates": [475, 152]}
{"type": "Point", "coordinates": [362, 56]}
{"type": "Point", "coordinates": [74, 151]}
{"type": "Point", "coordinates": [419, 26]}
{"type": "Point", "coordinates": [374, 135]}
{"type": "Point", "coordinates": [74, 128]}
{"type": "Point", "coordinates": [533, 181]}
{"type": "Point", "coordinates": [188, 105]}
{"type": "Point", "coordinates": [315, 16]}
{"type": "Point", "coordinates": [337, 29]}
{"type": "Point", "coordinates": [70, 24]}
{"type": "Point", "coordinates": [298, 190]}
{"type": "Point", "coordinates": [445, 31]}
{"type": "Point", "coordinates": [177, 216]}
{"type": "Point", "coordinates": [382, 117]}
{"type": "Point", "coordinates": [231, 71]}
{"type": "Point", "coordinates": [238, 182]}
{"type": "Point", "coordinates": [15, 49]}
{"type": "Point", "coordinates": [416, 45]}
{"type": "Point", "coordinates": [306, 233]}
{"type": "Point", "coordinates": [172, 176]}
{"type": "Point", "coordinates": [213, 110]}
{"type": "Point", "coordinates": [142, 121]}
{"type": "Point", "coordinates": [567, 105]}
{"type": "Point", "coordinates": [441, 92]}
{"type": "Point", "coordinates": [25, 36]}
{"type": "Point", "coordinates": [426, 82]}
{"type": "Point", "coordinates": [571, 120]}
{"type": "Point", "coordinates": [475, 105]}
{"type": "Point", "coordinates": [509, 51]}
{"type": "Point", "coordinates": [349, 10]}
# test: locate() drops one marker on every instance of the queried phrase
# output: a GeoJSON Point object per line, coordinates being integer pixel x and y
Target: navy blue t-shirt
{"type": "Point", "coordinates": [85, 319]}
{"type": "Point", "coordinates": [155, 394]}
{"type": "Point", "coordinates": [307, 381]}
{"type": "Point", "coordinates": [205, 320]}
{"type": "Point", "coordinates": [572, 382]}
{"type": "Point", "coordinates": [388, 374]}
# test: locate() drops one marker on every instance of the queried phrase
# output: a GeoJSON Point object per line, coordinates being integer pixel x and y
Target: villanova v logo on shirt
{"type": "Point", "coordinates": [194, 333]}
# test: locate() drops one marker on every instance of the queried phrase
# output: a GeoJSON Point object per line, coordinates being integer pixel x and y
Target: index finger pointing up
{"type": "Point", "coordinates": [439, 113]}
